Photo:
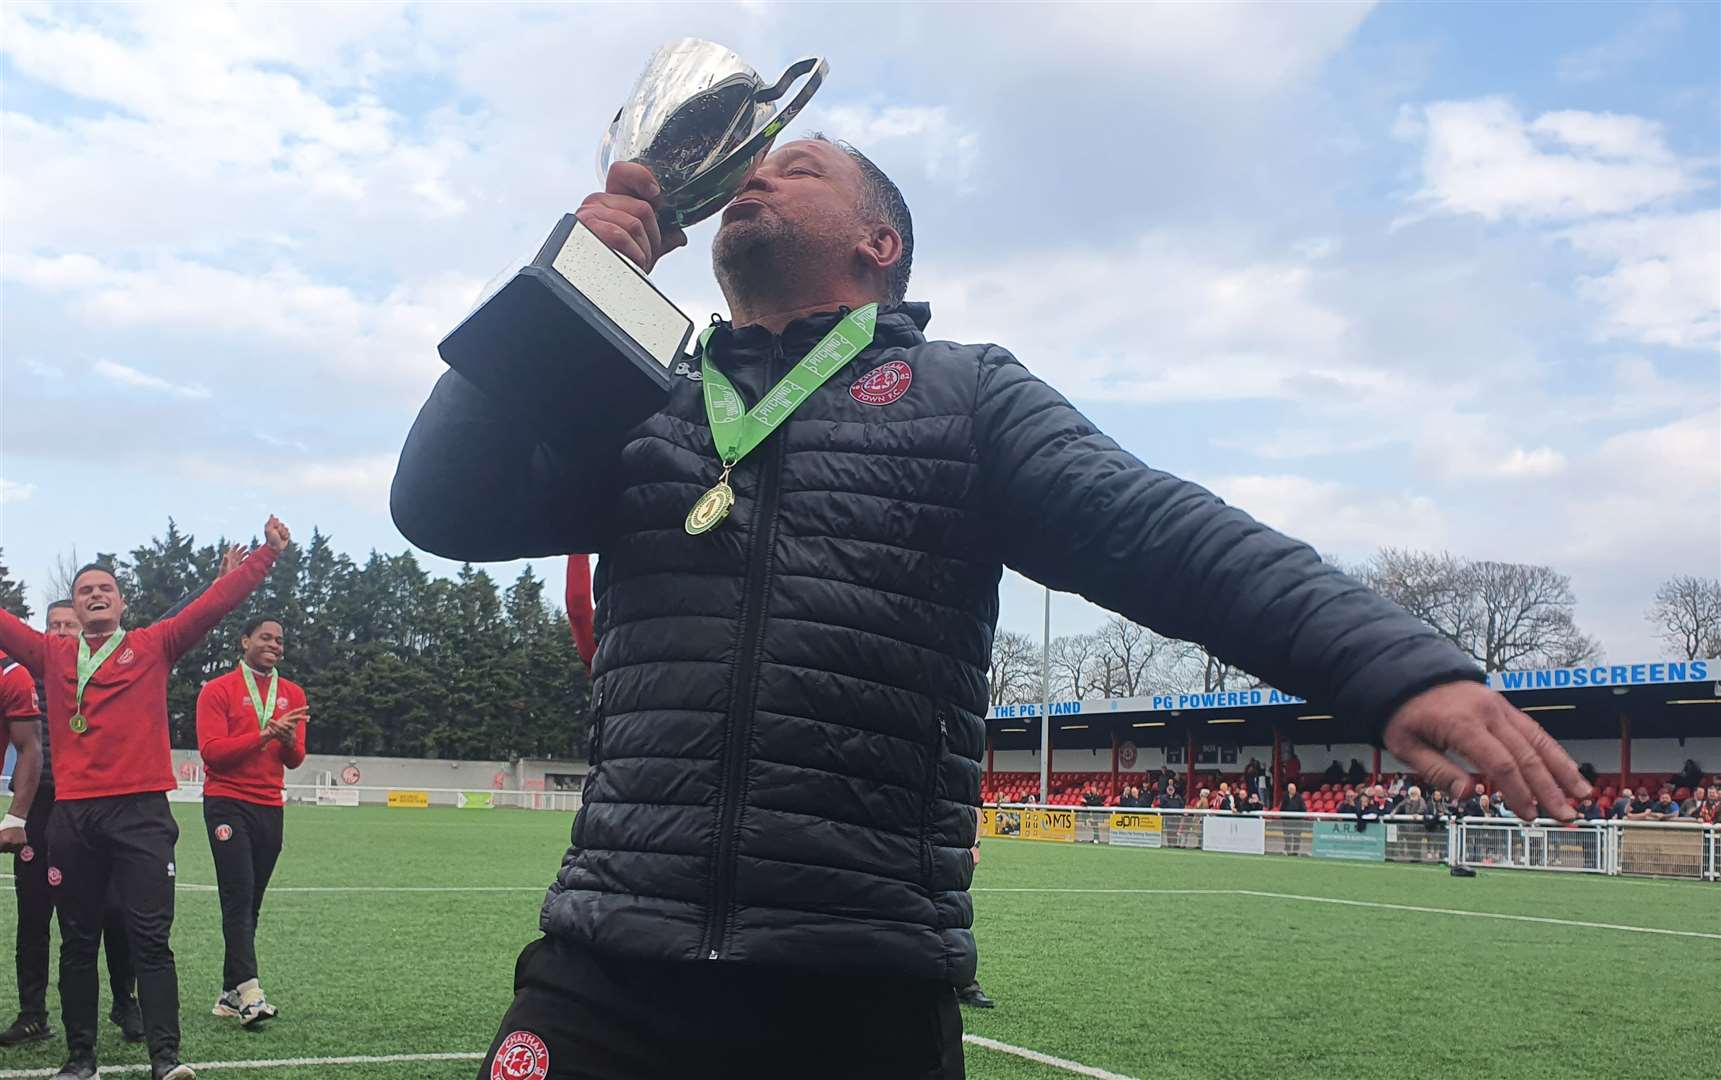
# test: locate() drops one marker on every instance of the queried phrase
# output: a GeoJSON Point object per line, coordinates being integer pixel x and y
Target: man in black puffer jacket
{"type": "Point", "coordinates": [769, 875]}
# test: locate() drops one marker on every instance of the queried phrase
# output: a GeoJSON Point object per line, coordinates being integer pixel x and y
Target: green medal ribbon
{"type": "Point", "coordinates": [88, 664]}
{"type": "Point", "coordinates": [264, 710]}
{"type": "Point", "coordinates": [737, 432]}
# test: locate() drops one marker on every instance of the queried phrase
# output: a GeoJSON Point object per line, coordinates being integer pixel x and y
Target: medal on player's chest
{"type": "Point", "coordinates": [735, 431]}
{"type": "Point", "coordinates": [712, 507]}
{"type": "Point", "coordinates": [78, 724]}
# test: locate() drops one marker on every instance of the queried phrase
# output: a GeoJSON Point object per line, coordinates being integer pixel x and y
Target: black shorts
{"type": "Point", "coordinates": [582, 1015]}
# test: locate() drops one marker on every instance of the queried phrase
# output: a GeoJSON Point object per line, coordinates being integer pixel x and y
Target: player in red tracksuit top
{"type": "Point", "coordinates": [250, 731]}
{"type": "Point", "coordinates": [113, 765]}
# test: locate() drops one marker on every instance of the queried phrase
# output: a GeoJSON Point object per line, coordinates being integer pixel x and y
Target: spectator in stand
{"type": "Point", "coordinates": [1438, 807]}
{"type": "Point", "coordinates": [1128, 799]}
{"type": "Point", "coordinates": [1477, 804]}
{"type": "Point", "coordinates": [1413, 805]}
{"type": "Point", "coordinates": [1090, 797]}
{"type": "Point", "coordinates": [1710, 811]}
{"type": "Point", "coordinates": [1664, 808]}
{"type": "Point", "coordinates": [1335, 773]}
{"type": "Point", "coordinates": [1497, 807]}
{"type": "Point", "coordinates": [1352, 803]}
{"type": "Point", "coordinates": [1690, 807]}
{"type": "Point", "coordinates": [1293, 803]}
{"type": "Point", "coordinates": [1254, 805]}
{"type": "Point", "coordinates": [1171, 800]}
{"type": "Point", "coordinates": [1203, 801]}
{"type": "Point", "coordinates": [1624, 806]}
{"type": "Point", "coordinates": [1396, 790]}
{"type": "Point", "coordinates": [1587, 808]}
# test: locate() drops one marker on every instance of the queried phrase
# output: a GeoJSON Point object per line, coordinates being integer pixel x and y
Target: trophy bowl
{"type": "Point", "coordinates": [700, 119]}
{"type": "Point", "coordinates": [576, 338]}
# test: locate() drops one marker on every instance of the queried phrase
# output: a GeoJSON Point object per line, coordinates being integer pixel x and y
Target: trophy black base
{"type": "Point", "coordinates": [579, 342]}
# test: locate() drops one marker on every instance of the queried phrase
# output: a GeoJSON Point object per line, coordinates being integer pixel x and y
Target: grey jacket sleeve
{"type": "Point", "coordinates": [476, 483]}
{"type": "Point", "coordinates": [1077, 512]}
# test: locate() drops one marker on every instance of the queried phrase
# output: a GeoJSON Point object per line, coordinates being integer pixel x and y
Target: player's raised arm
{"type": "Point", "coordinates": [183, 630]}
{"type": "Point", "coordinates": [22, 642]}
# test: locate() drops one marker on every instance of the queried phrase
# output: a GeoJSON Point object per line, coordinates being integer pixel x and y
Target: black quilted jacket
{"type": "Point", "coordinates": [788, 709]}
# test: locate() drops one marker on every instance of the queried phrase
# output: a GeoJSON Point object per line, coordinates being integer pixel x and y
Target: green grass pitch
{"type": "Point", "coordinates": [1172, 983]}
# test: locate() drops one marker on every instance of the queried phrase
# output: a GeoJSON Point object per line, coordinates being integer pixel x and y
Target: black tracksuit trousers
{"type": "Point", "coordinates": [36, 916]}
{"type": "Point", "coordinates": [123, 843]}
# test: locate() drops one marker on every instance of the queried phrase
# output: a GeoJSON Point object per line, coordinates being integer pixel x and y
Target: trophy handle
{"type": "Point", "coordinates": [709, 192]}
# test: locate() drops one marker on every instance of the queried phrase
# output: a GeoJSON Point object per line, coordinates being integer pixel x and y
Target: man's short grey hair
{"type": "Point", "coordinates": [884, 201]}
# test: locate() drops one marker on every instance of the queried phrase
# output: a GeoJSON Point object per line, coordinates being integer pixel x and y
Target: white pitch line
{"type": "Point", "coordinates": [1127, 892]}
{"type": "Point", "coordinates": [1549, 920]}
{"type": "Point", "coordinates": [1065, 1064]}
{"type": "Point", "coordinates": [1482, 914]}
{"type": "Point", "coordinates": [267, 1063]}
{"type": "Point", "coordinates": [1043, 1059]}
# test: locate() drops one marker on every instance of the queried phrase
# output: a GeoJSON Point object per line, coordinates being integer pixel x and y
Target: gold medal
{"type": "Point", "coordinates": [78, 724]}
{"type": "Point", "coordinates": [711, 509]}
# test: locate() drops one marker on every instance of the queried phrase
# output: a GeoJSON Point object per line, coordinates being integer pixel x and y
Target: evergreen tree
{"type": "Point", "coordinates": [393, 661]}
{"type": "Point", "coordinates": [12, 594]}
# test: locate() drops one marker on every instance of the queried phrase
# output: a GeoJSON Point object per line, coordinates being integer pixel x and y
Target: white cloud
{"type": "Point", "coordinates": [361, 481]}
{"type": "Point", "coordinates": [391, 338]}
{"type": "Point", "coordinates": [1629, 47]}
{"type": "Point", "coordinates": [122, 375]}
{"type": "Point", "coordinates": [1169, 318]}
{"type": "Point", "coordinates": [1482, 157]}
{"type": "Point", "coordinates": [948, 151]}
{"type": "Point", "coordinates": [1334, 517]}
{"type": "Point", "coordinates": [1665, 285]}
{"type": "Point", "coordinates": [12, 491]}
{"type": "Point", "coordinates": [1651, 492]}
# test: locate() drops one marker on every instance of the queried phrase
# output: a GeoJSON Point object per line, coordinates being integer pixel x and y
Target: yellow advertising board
{"type": "Point", "coordinates": [1051, 824]}
{"type": "Point", "coordinates": [1137, 830]}
{"type": "Point", "coordinates": [412, 800]}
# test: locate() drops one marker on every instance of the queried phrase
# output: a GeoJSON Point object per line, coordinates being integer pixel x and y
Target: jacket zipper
{"type": "Point", "coordinates": [931, 794]}
{"type": "Point", "coordinates": [597, 752]}
{"type": "Point", "coordinates": [746, 693]}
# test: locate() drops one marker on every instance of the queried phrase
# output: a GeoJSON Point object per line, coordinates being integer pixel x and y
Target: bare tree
{"type": "Point", "coordinates": [1074, 659]}
{"type": "Point", "coordinates": [1687, 613]}
{"type": "Point", "coordinates": [1501, 614]}
{"type": "Point", "coordinates": [1014, 673]}
{"type": "Point", "coordinates": [65, 571]}
{"type": "Point", "coordinates": [1126, 655]}
{"type": "Point", "coordinates": [1188, 668]}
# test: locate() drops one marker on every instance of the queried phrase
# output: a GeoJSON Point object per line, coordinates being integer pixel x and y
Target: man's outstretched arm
{"type": "Point", "coordinates": [1170, 555]}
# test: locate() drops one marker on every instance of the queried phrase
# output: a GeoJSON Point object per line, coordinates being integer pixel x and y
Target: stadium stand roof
{"type": "Point", "coordinates": [1651, 699]}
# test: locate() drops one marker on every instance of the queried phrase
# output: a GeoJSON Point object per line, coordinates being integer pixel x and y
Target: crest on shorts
{"type": "Point", "coordinates": [26, 854]}
{"type": "Point", "coordinates": [522, 1056]}
{"type": "Point", "coordinates": [54, 876]}
{"type": "Point", "coordinates": [223, 832]}
{"type": "Point", "coordinates": [883, 385]}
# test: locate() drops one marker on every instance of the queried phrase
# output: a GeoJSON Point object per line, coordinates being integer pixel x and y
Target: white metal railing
{"type": "Point", "coordinates": [412, 797]}
{"type": "Point", "coordinates": [1682, 849]}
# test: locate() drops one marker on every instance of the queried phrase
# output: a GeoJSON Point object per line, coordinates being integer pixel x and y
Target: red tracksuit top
{"type": "Point", "coordinates": [237, 763]}
{"type": "Point", "coordinates": [17, 700]}
{"type": "Point", "coordinates": [127, 749]}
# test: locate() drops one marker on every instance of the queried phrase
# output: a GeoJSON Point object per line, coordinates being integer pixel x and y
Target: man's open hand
{"type": "Point", "coordinates": [1521, 760]}
{"type": "Point", "coordinates": [284, 726]}
{"type": "Point", "coordinates": [231, 558]}
{"type": "Point", "coordinates": [624, 215]}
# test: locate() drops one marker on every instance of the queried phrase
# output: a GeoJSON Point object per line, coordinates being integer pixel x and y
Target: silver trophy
{"type": "Point", "coordinates": [581, 326]}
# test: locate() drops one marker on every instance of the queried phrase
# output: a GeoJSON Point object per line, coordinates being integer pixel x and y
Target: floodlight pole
{"type": "Point", "coordinates": [1046, 704]}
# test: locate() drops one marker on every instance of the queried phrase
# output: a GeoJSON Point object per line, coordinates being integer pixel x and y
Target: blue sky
{"type": "Point", "coordinates": [1437, 275]}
